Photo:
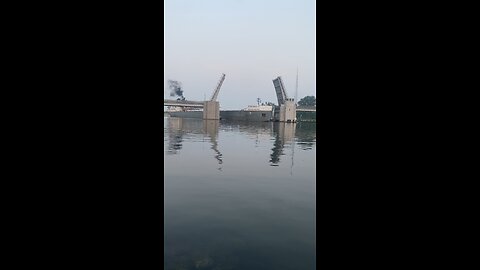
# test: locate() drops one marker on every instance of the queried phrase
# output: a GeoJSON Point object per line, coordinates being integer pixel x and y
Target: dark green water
{"type": "Point", "coordinates": [239, 195]}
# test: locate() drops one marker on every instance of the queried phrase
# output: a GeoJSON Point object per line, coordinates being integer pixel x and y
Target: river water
{"type": "Point", "coordinates": [239, 195]}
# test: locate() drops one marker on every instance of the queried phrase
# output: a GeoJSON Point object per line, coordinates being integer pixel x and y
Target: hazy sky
{"type": "Point", "coordinates": [251, 41]}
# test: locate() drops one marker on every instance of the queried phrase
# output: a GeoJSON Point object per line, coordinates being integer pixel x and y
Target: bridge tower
{"type": "Point", "coordinates": [211, 110]}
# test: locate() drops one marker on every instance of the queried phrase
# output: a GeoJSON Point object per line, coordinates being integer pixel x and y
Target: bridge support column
{"type": "Point", "coordinates": [211, 110]}
{"type": "Point", "coordinates": [288, 111]}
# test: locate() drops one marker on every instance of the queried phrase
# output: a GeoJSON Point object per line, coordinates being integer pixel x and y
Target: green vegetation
{"type": "Point", "coordinates": [308, 101]}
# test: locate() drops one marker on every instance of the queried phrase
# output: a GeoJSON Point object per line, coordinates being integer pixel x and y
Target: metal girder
{"type": "Point", "coordinates": [280, 90]}
{"type": "Point", "coordinates": [215, 92]}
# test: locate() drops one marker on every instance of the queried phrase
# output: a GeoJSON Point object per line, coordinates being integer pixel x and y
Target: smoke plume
{"type": "Point", "coordinates": [176, 89]}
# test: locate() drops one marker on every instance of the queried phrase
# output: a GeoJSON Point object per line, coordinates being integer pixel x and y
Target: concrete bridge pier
{"type": "Point", "coordinates": [288, 111]}
{"type": "Point", "coordinates": [211, 110]}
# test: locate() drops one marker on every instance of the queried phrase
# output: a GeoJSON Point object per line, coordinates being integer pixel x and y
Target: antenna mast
{"type": "Point", "coordinates": [296, 89]}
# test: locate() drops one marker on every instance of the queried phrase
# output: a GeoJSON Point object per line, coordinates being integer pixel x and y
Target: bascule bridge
{"type": "Point", "coordinates": [211, 108]}
{"type": "Point", "coordinates": [286, 111]}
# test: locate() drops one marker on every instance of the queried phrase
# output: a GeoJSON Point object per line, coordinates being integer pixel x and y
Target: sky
{"type": "Point", "coordinates": [251, 41]}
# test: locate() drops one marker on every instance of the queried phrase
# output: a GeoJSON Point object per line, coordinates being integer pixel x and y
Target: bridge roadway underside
{"type": "Point", "coordinates": [211, 109]}
{"type": "Point", "coordinates": [183, 103]}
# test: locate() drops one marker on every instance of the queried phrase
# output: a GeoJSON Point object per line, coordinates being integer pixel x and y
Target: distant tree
{"type": "Point", "coordinates": [308, 101]}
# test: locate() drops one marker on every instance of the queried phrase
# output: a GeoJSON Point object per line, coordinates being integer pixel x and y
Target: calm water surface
{"type": "Point", "coordinates": [239, 195]}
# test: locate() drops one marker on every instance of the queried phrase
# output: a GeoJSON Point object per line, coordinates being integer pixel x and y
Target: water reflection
{"type": "Point", "coordinates": [210, 127]}
{"type": "Point", "coordinates": [284, 133]}
{"type": "Point", "coordinates": [248, 216]}
{"type": "Point", "coordinates": [175, 135]}
{"type": "Point", "coordinates": [297, 135]}
{"type": "Point", "coordinates": [180, 127]}
{"type": "Point", "coordinates": [306, 135]}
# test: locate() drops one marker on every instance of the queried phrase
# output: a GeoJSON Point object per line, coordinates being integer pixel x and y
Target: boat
{"type": "Point", "coordinates": [257, 108]}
